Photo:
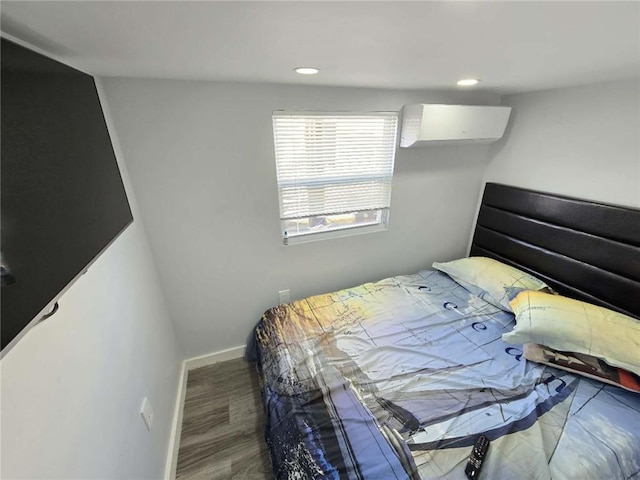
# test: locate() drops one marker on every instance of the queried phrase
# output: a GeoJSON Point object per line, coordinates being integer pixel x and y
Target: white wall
{"type": "Point", "coordinates": [200, 155]}
{"type": "Point", "coordinates": [582, 142]}
{"type": "Point", "coordinates": [73, 386]}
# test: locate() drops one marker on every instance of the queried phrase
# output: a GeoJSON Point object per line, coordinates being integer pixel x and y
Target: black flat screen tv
{"type": "Point", "coordinates": [62, 199]}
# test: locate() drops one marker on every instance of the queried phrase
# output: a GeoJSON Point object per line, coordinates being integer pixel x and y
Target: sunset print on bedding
{"type": "Point", "coordinates": [396, 379]}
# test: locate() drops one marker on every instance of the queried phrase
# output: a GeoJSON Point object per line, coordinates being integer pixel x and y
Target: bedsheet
{"type": "Point", "coordinates": [396, 379]}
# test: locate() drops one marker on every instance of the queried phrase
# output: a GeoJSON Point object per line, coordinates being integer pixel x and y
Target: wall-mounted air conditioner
{"type": "Point", "coordinates": [424, 125]}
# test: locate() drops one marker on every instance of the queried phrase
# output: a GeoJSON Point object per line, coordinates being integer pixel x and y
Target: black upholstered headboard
{"type": "Point", "coordinates": [582, 249]}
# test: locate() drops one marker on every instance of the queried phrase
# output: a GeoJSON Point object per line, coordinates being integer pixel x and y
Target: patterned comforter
{"type": "Point", "coordinates": [396, 379]}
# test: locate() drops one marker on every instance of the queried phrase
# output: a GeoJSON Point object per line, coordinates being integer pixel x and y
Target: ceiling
{"type": "Point", "coordinates": [512, 46]}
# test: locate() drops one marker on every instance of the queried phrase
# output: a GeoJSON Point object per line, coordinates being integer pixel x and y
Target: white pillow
{"type": "Point", "coordinates": [489, 279]}
{"type": "Point", "coordinates": [573, 326]}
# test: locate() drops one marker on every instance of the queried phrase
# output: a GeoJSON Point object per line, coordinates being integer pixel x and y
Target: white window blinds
{"type": "Point", "coordinates": [334, 170]}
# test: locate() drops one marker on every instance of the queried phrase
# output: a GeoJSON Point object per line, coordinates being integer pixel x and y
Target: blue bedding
{"type": "Point", "coordinates": [396, 379]}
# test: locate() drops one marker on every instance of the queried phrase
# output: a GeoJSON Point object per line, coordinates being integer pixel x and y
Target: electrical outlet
{"type": "Point", "coordinates": [284, 295]}
{"type": "Point", "coordinates": [146, 411]}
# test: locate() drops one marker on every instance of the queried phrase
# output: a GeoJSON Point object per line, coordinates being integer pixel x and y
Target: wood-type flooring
{"type": "Point", "coordinates": [223, 425]}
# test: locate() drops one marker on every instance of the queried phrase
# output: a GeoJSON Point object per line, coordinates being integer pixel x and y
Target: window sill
{"type": "Point", "coordinates": [345, 232]}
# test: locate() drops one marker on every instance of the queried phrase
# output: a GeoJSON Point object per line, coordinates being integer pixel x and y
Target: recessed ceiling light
{"type": "Point", "coordinates": [306, 70]}
{"type": "Point", "coordinates": [468, 82]}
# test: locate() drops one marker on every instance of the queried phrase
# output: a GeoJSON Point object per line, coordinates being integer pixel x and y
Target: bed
{"type": "Point", "coordinates": [397, 379]}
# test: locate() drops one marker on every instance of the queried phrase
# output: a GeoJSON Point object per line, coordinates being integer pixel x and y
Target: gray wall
{"type": "Point", "coordinates": [201, 160]}
{"type": "Point", "coordinates": [73, 386]}
{"type": "Point", "coordinates": [582, 142]}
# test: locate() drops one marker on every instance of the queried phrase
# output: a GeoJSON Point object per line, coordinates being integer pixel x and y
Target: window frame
{"type": "Point", "coordinates": [337, 231]}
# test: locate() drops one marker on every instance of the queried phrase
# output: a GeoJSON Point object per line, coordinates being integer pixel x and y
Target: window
{"type": "Point", "coordinates": [334, 172]}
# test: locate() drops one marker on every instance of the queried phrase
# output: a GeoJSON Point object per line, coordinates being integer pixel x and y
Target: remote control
{"type": "Point", "coordinates": [474, 465]}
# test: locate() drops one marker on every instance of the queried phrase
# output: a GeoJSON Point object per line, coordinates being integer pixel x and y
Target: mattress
{"type": "Point", "coordinates": [396, 379]}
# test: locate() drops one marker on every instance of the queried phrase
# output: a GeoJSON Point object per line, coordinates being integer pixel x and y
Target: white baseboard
{"type": "Point", "coordinates": [191, 364]}
{"type": "Point", "coordinates": [176, 427]}
{"type": "Point", "coordinates": [215, 357]}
